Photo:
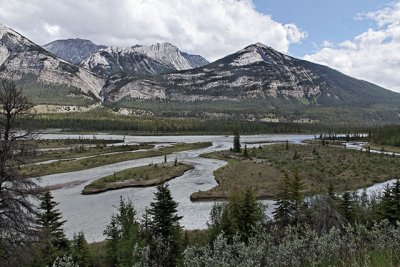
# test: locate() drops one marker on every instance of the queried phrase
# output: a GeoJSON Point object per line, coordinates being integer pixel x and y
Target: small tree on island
{"type": "Point", "coordinates": [236, 142]}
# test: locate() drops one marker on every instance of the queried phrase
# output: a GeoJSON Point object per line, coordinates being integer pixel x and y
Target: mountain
{"type": "Point", "coordinates": [73, 50]}
{"type": "Point", "coordinates": [255, 83]}
{"type": "Point", "coordinates": [42, 71]}
{"type": "Point", "coordinates": [141, 60]}
{"type": "Point", "coordinates": [260, 72]}
{"type": "Point", "coordinates": [259, 79]}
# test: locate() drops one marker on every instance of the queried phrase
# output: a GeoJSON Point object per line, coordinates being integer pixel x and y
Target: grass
{"type": "Point", "coordinates": [142, 176]}
{"type": "Point", "coordinates": [87, 163]}
{"type": "Point", "coordinates": [386, 148]}
{"type": "Point", "coordinates": [58, 143]}
{"type": "Point", "coordinates": [82, 151]}
{"type": "Point", "coordinates": [319, 166]}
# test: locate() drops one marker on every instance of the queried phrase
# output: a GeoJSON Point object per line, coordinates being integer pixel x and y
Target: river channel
{"type": "Point", "coordinates": [91, 213]}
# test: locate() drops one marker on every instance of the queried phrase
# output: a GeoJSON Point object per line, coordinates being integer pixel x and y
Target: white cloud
{"type": "Point", "coordinates": [212, 28]}
{"type": "Point", "coordinates": [373, 55]}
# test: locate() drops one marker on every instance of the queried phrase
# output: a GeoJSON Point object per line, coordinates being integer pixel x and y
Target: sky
{"type": "Point", "coordinates": [358, 37]}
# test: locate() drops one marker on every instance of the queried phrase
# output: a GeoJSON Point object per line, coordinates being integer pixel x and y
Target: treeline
{"type": "Point", "coordinates": [346, 229]}
{"type": "Point", "coordinates": [384, 135]}
{"type": "Point", "coordinates": [387, 135]}
{"type": "Point", "coordinates": [104, 120]}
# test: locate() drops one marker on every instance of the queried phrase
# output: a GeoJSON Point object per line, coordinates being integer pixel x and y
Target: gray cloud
{"type": "Point", "coordinates": [212, 28]}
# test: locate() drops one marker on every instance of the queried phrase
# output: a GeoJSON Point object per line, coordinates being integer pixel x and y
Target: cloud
{"type": "Point", "coordinates": [212, 28]}
{"type": "Point", "coordinates": [374, 55]}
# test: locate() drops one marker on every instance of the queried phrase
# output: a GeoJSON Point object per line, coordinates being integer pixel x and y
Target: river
{"type": "Point", "coordinates": [91, 213]}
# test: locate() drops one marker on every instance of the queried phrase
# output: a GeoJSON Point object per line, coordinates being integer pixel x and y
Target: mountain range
{"type": "Point", "coordinates": [255, 83]}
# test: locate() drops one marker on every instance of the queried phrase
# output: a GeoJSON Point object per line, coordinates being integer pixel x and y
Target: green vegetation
{"type": "Point", "coordinates": [392, 149]}
{"type": "Point", "coordinates": [52, 94]}
{"type": "Point", "coordinates": [84, 151]}
{"type": "Point", "coordinates": [387, 135]}
{"type": "Point", "coordinates": [59, 143]}
{"type": "Point", "coordinates": [104, 119]}
{"type": "Point", "coordinates": [122, 234]}
{"type": "Point", "coordinates": [143, 176]}
{"type": "Point", "coordinates": [52, 242]}
{"type": "Point", "coordinates": [319, 166]}
{"type": "Point", "coordinates": [366, 233]}
{"type": "Point", "coordinates": [92, 162]}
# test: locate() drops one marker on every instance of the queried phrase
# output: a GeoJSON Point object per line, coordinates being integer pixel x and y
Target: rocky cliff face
{"type": "Point", "coordinates": [141, 60]}
{"type": "Point", "coordinates": [256, 72]}
{"type": "Point", "coordinates": [73, 50]}
{"type": "Point", "coordinates": [19, 56]}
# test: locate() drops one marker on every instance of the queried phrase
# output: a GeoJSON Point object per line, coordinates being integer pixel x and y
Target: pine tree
{"type": "Point", "coordinates": [52, 241]}
{"type": "Point", "coordinates": [296, 188]}
{"type": "Point", "coordinates": [245, 153]}
{"type": "Point", "coordinates": [249, 215]}
{"type": "Point", "coordinates": [389, 207]}
{"type": "Point", "coordinates": [164, 225]}
{"type": "Point", "coordinates": [346, 207]}
{"type": "Point", "coordinates": [284, 210]}
{"type": "Point", "coordinates": [236, 143]}
{"type": "Point", "coordinates": [221, 222]}
{"type": "Point", "coordinates": [80, 250]}
{"type": "Point", "coordinates": [122, 234]}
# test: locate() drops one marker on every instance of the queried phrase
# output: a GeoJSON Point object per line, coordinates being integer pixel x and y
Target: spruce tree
{"type": "Point", "coordinates": [122, 234]}
{"type": "Point", "coordinates": [80, 250]}
{"type": "Point", "coordinates": [249, 215]}
{"type": "Point", "coordinates": [389, 207]}
{"type": "Point", "coordinates": [296, 188]}
{"type": "Point", "coordinates": [346, 207]}
{"type": "Point", "coordinates": [236, 142]}
{"type": "Point", "coordinates": [245, 152]}
{"type": "Point", "coordinates": [164, 225]}
{"type": "Point", "coordinates": [284, 210]}
{"type": "Point", "coordinates": [52, 241]}
{"type": "Point", "coordinates": [221, 222]}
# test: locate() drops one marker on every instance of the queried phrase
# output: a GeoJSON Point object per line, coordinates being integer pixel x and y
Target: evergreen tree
{"type": "Point", "coordinates": [52, 241]}
{"type": "Point", "coordinates": [221, 222]}
{"type": "Point", "coordinates": [122, 234]}
{"type": "Point", "coordinates": [80, 250]}
{"type": "Point", "coordinates": [284, 210]}
{"type": "Point", "coordinates": [164, 225]}
{"type": "Point", "coordinates": [389, 207]}
{"type": "Point", "coordinates": [236, 143]}
{"type": "Point", "coordinates": [249, 215]}
{"type": "Point", "coordinates": [287, 145]}
{"type": "Point", "coordinates": [346, 207]}
{"type": "Point", "coordinates": [245, 153]}
{"type": "Point", "coordinates": [240, 216]}
{"type": "Point", "coordinates": [296, 188]}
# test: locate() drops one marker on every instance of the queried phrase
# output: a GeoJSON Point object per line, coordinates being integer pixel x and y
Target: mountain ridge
{"type": "Point", "coordinates": [256, 79]}
{"type": "Point", "coordinates": [142, 60]}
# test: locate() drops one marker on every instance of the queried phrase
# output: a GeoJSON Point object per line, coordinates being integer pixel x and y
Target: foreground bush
{"type": "Point", "coordinates": [301, 246]}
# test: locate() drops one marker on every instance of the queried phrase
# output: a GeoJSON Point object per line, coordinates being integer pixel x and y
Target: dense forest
{"type": "Point", "coordinates": [104, 120]}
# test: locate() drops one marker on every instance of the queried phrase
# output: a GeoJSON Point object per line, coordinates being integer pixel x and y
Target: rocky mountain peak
{"type": "Point", "coordinates": [73, 50]}
{"type": "Point", "coordinates": [12, 40]}
{"type": "Point", "coordinates": [18, 55]}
